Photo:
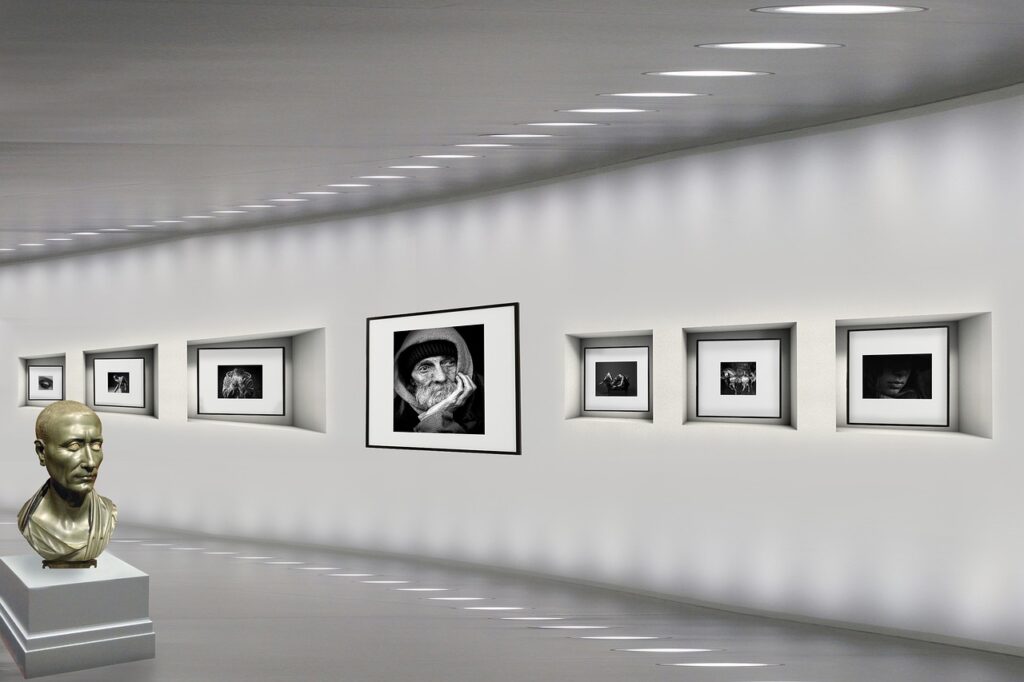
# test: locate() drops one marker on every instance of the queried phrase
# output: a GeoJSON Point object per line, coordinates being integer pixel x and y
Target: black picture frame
{"type": "Point", "coordinates": [199, 380]}
{"type": "Point", "coordinates": [516, 380]}
{"type": "Point", "coordinates": [95, 384]}
{"type": "Point", "coordinates": [650, 380]}
{"type": "Point", "coordinates": [697, 411]}
{"type": "Point", "coordinates": [849, 360]}
{"type": "Point", "coordinates": [28, 383]}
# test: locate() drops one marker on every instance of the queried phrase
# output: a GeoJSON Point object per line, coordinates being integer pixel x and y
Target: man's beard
{"type": "Point", "coordinates": [431, 394]}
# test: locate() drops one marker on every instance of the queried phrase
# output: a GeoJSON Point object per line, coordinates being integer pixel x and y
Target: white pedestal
{"type": "Point", "coordinates": [60, 620]}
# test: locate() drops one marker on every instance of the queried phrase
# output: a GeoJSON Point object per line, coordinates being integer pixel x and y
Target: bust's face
{"type": "Point", "coordinates": [72, 451]}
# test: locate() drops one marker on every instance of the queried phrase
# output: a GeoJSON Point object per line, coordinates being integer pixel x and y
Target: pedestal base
{"type": "Point", "coordinates": [91, 563]}
{"type": "Point", "coordinates": [59, 621]}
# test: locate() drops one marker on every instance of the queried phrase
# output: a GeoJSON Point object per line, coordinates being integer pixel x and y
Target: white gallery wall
{"type": "Point", "coordinates": [911, 214]}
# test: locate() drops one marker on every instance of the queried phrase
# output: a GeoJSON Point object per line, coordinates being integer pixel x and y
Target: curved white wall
{"type": "Point", "coordinates": [904, 215]}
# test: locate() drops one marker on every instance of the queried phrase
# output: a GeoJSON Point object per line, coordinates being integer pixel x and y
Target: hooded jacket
{"type": "Point", "coordinates": [469, 418]}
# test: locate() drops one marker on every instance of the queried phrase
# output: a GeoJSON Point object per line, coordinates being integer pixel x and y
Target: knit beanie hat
{"type": "Point", "coordinates": [428, 349]}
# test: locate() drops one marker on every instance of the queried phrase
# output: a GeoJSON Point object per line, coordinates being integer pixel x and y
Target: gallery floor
{"type": "Point", "coordinates": [227, 610]}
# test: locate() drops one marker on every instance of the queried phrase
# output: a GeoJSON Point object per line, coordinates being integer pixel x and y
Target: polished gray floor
{"type": "Point", "coordinates": [227, 610]}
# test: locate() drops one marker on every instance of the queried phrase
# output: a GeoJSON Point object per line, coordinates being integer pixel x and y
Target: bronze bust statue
{"type": "Point", "coordinates": [66, 522]}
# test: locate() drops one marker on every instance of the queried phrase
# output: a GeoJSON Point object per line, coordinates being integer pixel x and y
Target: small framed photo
{"type": "Point", "coordinates": [898, 376]}
{"type": "Point", "coordinates": [247, 381]}
{"type": "Point", "coordinates": [426, 374]}
{"type": "Point", "coordinates": [119, 382]}
{"type": "Point", "coordinates": [739, 378]}
{"type": "Point", "coordinates": [617, 379]}
{"type": "Point", "coordinates": [45, 382]}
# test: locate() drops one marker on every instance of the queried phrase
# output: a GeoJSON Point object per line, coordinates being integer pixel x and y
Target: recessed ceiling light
{"type": "Point", "coordinates": [59, 239]}
{"type": "Point", "coordinates": [839, 9]}
{"type": "Point", "coordinates": [284, 563]}
{"type": "Point", "coordinates": [86, 234]}
{"type": "Point", "coordinates": [623, 637]}
{"type": "Point", "coordinates": [770, 46]}
{"type": "Point", "coordinates": [456, 598]}
{"type": "Point", "coordinates": [653, 94]}
{"type": "Point", "coordinates": [231, 211]}
{"type": "Point", "coordinates": [196, 217]}
{"type": "Point", "coordinates": [139, 226]}
{"type": "Point", "coordinates": [113, 229]}
{"type": "Point", "coordinates": [708, 73]}
{"type": "Point", "coordinates": [520, 135]}
{"type": "Point", "coordinates": [413, 167]}
{"type": "Point", "coordinates": [564, 124]}
{"type": "Point", "coordinates": [168, 222]}
{"type": "Point", "coordinates": [253, 206]}
{"type": "Point", "coordinates": [605, 111]}
{"type": "Point", "coordinates": [446, 156]}
{"type": "Point", "coordinates": [492, 608]}
{"type": "Point", "coordinates": [288, 201]}
{"type": "Point", "coordinates": [421, 589]}
{"type": "Point", "coordinates": [8, 249]}
{"type": "Point", "coordinates": [484, 144]}
{"type": "Point", "coordinates": [32, 244]}
{"type": "Point", "coordinates": [723, 665]}
{"type": "Point", "coordinates": [534, 618]}
{"type": "Point", "coordinates": [383, 177]}
{"type": "Point", "coordinates": [350, 575]}
{"type": "Point", "coordinates": [572, 627]}
{"type": "Point", "coordinates": [252, 557]}
{"type": "Point", "coordinates": [669, 651]}
{"type": "Point", "coordinates": [317, 568]}
{"type": "Point", "coordinates": [315, 193]}
{"type": "Point", "coordinates": [350, 184]}
{"type": "Point", "coordinates": [384, 582]}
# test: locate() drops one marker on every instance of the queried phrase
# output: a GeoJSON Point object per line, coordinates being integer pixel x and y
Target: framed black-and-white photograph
{"type": "Point", "coordinates": [898, 376]}
{"type": "Point", "coordinates": [739, 378]}
{"type": "Point", "coordinates": [247, 381]}
{"type": "Point", "coordinates": [426, 374]}
{"type": "Point", "coordinates": [45, 382]}
{"type": "Point", "coordinates": [119, 382]}
{"type": "Point", "coordinates": [617, 379]}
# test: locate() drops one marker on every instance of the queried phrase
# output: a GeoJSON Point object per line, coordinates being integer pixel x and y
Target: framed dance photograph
{"type": "Point", "coordinates": [617, 379]}
{"type": "Point", "coordinates": [427, 376]}
{"type": "Point", "coordinates": [739, 378]}
{"type": "Point", "coordinates": [119, 382]}
{"type": "Point", "coordinates": [45, 382]}
{"type": "Point", "coordinates": [898, 376]}
{"type": "Point", "coordinates": [248, 381]}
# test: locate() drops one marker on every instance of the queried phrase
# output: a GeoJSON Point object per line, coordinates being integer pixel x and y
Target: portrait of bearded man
{"type": "Point", "coordinates": [437, 389]}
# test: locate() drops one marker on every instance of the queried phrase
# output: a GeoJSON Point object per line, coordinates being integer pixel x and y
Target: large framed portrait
{"type": "Point", "coordinates": [617, 379]}
{"type": "Point", "coordinates": [119, 382]}
{"type": "Point", "coordinates": [426, 374]}
{"type": "Point", "coordinates": [45, 382]}
{"type": "Point", "coordinates": [739, 378]}
{"type": "Point", "coordinates": [248, 381]}
{"type": "Point", "coordinates": [898, 376]}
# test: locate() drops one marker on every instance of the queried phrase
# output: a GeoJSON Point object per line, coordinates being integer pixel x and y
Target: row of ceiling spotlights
{"type": "Point", "coordinates": [831, 9]}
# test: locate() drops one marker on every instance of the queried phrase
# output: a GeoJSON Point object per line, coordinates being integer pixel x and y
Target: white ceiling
{"type": "Point", "coordinates": [124, 112]}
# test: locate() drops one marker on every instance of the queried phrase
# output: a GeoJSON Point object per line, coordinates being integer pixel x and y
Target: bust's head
{"type": "Point", "coordinates": [69, 443]}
